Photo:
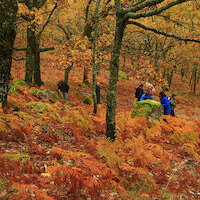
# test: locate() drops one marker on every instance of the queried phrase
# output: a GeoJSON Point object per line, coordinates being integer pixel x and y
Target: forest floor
{"type": "Point", "coordinates": [55, 149]}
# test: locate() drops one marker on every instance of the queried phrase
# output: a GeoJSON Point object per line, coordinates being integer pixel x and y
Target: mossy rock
{"type": "Point", "coordinates": [87, 100]}
{"type": "Point", "coordinates": [46, 94]}
{"type": "Point", "coordinates": [42, 108]}
{"type": "Point", "coordinates": [148, 108]}
{"type": "Point", "coordinates": [14, 157]}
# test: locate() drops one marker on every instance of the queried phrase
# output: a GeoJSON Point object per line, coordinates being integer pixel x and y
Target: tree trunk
{"type": "Point", "coordinates": [94, 65]}
{"type": "Point", "coordinates": [33, 45]}
{"type": "Point", "coordinates": [7, 37]}
{"type": "Point", "coordinates": [29, 57]}
{"type": "Point", "coordinates": [156, 62]}
{"type": "Point", "coordinates": [37, 75]}
{"type": "Point", "coordinates": [112, 88]}
{"type": "Point", "coordinates": [67, 73]}
{"type": "Point", "coordinates": [169, 77]}
{"type": "Point", "coordinates": [85, 76]}
{"type": "Point", "coordinates": [33, 59]}
{"type": "Point", "coordinates": [124, 59]}
{"type": "Point", "coordinates": [195, 79]}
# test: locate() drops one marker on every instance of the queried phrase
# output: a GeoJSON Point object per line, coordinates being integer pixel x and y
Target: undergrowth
{"type": "Point", "coordinates": [53, 149]}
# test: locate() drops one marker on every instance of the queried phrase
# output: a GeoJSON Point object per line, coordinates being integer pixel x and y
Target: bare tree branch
{"type": "Point", "coordinates": [87, 10]}
{"type": "Point", "coordinates": [153, 12]}
{"type": "Point", "coordinates": [27, 17]}
{"type": "Point", "coordinates": [67, 35]}
{"type": "Point", "coordinates": [163, 33]}
{"type": "Point", "coordinates": [141, 1]}
{"type": "Point", "coordinates": [142, 5]}
{"type": "Point", "coordinates": [41, 50]}
{"type": "Point", "coordinates": [46, 49]}
{"type": "Point", "coordinates": [20, 49]}
{"type": "Point", "coordinates": [183, 24]}
{"type": "Point", "coordinates": [48, 20]}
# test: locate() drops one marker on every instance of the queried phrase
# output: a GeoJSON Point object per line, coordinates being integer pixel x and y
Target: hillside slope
{"type": "Point", "coordinates": [54, 149]}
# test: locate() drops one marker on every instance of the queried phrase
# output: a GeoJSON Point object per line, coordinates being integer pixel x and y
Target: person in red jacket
{"type": "Point", "coordinates": [146, 95]}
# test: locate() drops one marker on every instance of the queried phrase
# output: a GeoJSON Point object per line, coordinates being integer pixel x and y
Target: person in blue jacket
{"type": "Point", "coordinates": [165, 103]}
{"type": "Point", "coordinates": [146, 96]}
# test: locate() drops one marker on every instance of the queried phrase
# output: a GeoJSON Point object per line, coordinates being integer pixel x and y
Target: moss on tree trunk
{"type": "Point", "coordinates": [7, 37]}
{"type": "Point", "coordinates": [112, 88]}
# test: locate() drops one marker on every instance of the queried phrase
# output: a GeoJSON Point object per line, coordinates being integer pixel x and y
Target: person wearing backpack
{"type": "Point", "coordinates": [64, 88]}
{"type": "Point", "coordinates": [139, 92]}
{"type": "Point", "coordinates": [165, 103]}
{"type": "Point", "coordinates": [172, 102]}
{"type": "Point", "coordinates": [147, 95]}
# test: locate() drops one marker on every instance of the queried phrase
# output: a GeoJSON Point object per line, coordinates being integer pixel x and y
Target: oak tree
{"type": "Point", "coordinates": [127, 14]}
{"type": "Point", "coordinates": [8, 15]}
{"type": "Point", "coordinates": [31, 13]}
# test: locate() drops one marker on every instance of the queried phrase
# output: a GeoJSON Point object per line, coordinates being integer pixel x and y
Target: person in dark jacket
{"type": "Point", "coordinates": [139, 92]}
{"type": "Point", "coordinates": [98, 92]}
{"type": "Point", "coordinates": [147, 95]}
{"type": "Point", "coordinates": [165, 103]}
{"type": "Point", "coordinates": [64, 88]}
{"type": "Point", "coordinates": [172, 102]}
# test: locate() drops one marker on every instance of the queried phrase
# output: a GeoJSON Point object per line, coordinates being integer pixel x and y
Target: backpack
{"type": "Point", "coordinates": [146, 96]}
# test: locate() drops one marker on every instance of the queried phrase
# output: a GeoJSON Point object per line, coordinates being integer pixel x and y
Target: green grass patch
{"type": "Point", "coordinates": [14, 87]}
{"type": "Point", "coordinates": [87, 100]}
{"type": "Point", "coordinates": [122, 75]}
{"type": "Point", "coordinates": [14, 157]}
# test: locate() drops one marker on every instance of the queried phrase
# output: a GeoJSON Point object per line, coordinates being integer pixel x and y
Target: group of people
{"type": "Point", "coordinates": [168, 104]}
{"type": "Point", "coordinates": [64, 88]}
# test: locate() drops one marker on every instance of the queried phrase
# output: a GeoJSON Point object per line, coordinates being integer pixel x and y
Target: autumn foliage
{"type": "Point", "coordinates": [59, 150]}
{"type": "Point", "coordinates": [53, 149]}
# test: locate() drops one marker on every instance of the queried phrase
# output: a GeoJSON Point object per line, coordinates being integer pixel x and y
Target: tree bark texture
{"type": "Point", "coordinates": [94, 65]}
{"type": "Point", "coordinates": [67, 73]}
{"type": "Point", "coordinates": [29, 58]}
{"type": "Point", "coordinates": [112, 88]}
{"type": "Point", "coordinates": [37, 75]}
{"type": "Point", "coordinates": [124, 17]}
{"type": "Point", "coordinates": [32, 59]}
{"type": "Point", "coordinates": [8, 12]}
{"type": "Point", "coordinates": [85, 76]}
